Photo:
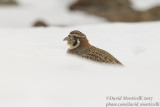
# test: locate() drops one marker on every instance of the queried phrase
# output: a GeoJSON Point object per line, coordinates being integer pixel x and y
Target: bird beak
{"type": "Point", "coordinates": [66, 39]}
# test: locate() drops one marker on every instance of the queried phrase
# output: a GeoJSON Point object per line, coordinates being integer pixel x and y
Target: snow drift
{"type": "Point", "coordinates": [35, 70]}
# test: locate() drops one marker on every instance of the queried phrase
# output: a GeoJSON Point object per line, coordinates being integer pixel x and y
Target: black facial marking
{"type": "Point", "coordinates": [75, 43]}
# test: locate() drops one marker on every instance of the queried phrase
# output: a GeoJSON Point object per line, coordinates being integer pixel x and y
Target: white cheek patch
{"type": "Point", "coordinates": [73, 47]}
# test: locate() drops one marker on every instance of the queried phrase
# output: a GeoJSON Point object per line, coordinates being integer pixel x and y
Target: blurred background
{"type": "Point", "coordinates": [62, 13]}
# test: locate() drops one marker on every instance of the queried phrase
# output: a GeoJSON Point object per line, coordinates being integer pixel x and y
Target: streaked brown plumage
{"type": "Point", "coordinates": [80, 46]}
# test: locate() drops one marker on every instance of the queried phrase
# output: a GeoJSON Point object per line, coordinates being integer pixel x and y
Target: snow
{"type": "Point", "coordinates": [144, 4]}
{"type": "Point", "coordinates": [36, 71]}
{"type": "Point", "coordinates": [53, 12]}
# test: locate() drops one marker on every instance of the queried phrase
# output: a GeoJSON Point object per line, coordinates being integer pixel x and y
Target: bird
{"type": "Point", "coordinates": [80, 46]}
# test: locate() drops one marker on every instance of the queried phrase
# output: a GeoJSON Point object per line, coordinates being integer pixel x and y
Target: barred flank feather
{"type": "Point", "coordinates": [85, 50]}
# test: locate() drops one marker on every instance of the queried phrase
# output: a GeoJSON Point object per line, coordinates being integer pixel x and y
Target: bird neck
{"type": "Point", "coordinates": [83, 44]}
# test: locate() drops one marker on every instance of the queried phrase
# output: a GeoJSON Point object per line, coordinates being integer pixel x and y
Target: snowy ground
{"type": "Point", "coordinates": [54, 12]}
{"type": "Point", "coordinates": [144, 4]}
{"type": "Point", "coordinates": [35, 70]}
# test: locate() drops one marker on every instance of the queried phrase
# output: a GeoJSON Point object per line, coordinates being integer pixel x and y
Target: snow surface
{"type": "Point", "coordinates": [144, 4]}
{"type": "Point", "coordinates": [35, 70]}
{"type": "Point", "coordinates": [54, 12]}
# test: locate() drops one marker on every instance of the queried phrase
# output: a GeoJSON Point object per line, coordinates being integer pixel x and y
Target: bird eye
{"type": "Point", "coordinates": [74, 37]}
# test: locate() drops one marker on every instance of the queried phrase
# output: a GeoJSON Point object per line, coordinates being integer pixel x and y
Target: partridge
{"type": "Point", "coordinates": [80, 46]}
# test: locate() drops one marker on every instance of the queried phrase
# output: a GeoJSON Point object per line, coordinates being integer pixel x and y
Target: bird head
{"type": "Point", "coordinates": [76, 39]}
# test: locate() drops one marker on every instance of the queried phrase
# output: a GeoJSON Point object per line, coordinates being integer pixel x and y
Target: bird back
{"type": "Point", "coordinates": [97, 54]}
